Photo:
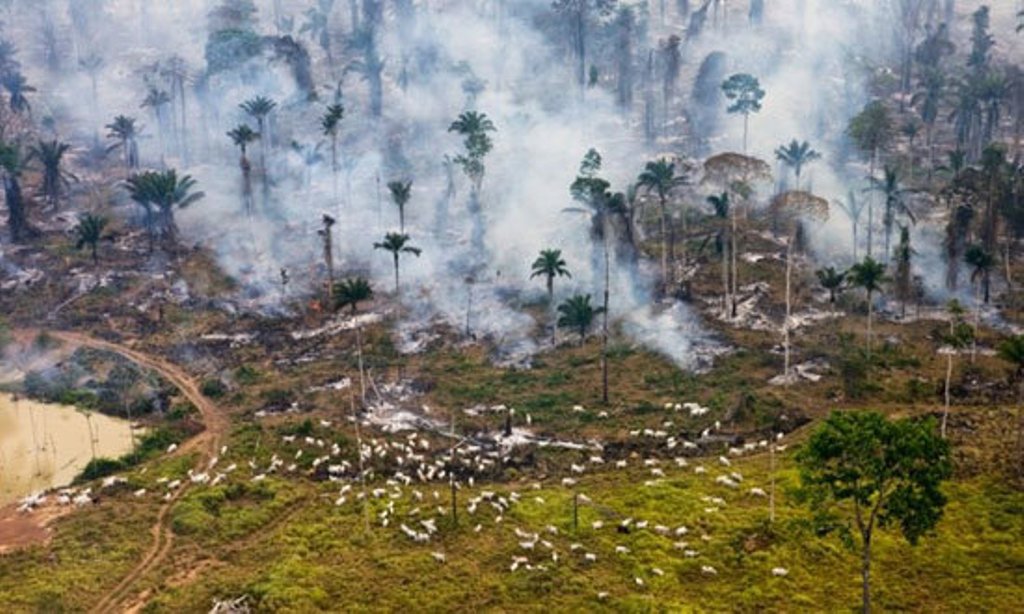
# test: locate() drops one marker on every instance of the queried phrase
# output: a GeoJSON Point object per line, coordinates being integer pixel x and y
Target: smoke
{"type": "Point", "coordinates": [809, 55]}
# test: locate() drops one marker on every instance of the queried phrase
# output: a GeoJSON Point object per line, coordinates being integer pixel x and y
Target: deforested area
{"type": "Point", "coordinates": [511, 305]}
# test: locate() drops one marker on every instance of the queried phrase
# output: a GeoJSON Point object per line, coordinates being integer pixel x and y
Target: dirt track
{"type": "Point", "coordinates": [18, 530]}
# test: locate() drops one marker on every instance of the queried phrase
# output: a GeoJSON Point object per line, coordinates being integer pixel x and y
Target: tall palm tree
{"type": "Point", "coordinates": [330, 124]}
{"type": "Point", "coordinates": [350, 292]}
{"type": "Point", "coordinates": [895, 201]}
{"type": "Point", "coordinates": [260, 108]}
{"type": "Point", "coordinates": [50, 155]}
{"type": "Point", "coordinates": [549, 264]}
{"type": "Point", "coordinates": [161, 193]}
{"type": "Point", "coordinates": [400, 191]}
{"type": "Point", "coordinates": [1012, 351]}
{"type": "Point", "coordinates": [982, 262]}
{"type": "Point", "coordinates": [720, 206]}
{"type": "Point", "coordinates": [832, 280]}
{"type": "Point", "coordinates": [123, 131]}
{"type": "Point", "coordinates": [397, 244]}
{"type": "Point", "coordinates": [660, 177]}
{"type": "Point", "coordinates": [796, 155]}
{"type": "Point", "coordinates": [955, 340]}
{"type": "Point", "coordinates": [12, 164]}
{"type": "Point", "coordinates": [89, 233]}
{"type": "Point", "coordinates": [473, 126]}
{"type": "Point", "coordinates": [853, 210]}
{"type": "Point", "coordinates": [577, 313]}
{"type": "Point", "coordinates": [869, 275]}
{"type": "Point", "coordinates": [241, 135]}
{"type": "Point", "coordinates": [158, 100]}
{"type": "Point", "coordinates": [17, 86]}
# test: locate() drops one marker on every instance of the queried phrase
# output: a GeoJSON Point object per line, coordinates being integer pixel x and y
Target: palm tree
{"type": "Point", "coordinates": [1012, 351]}
{"type": "Point", "coordinates": [259, 108]}
{"type": "Point", "coordinates": [93, 64]}
{"type": "Point", "coordinates": [982, 261]}
{"type": "Point", "coordinates": [832, 280]}
{"type": "Point", "coordinates": [123, 131]}
{"type": "Point", "coordinates": [954, 341]}
{"type": "Point", "coordinates": [17, 86]}
{"type": "Point", "coordinates": [330, 123]}
{"type": "Point", "coordinates": [397, 244]}
{"type": "Point", "coordinates": [350, 292]}
{"type": "Point", "coordinates": [160, 193]}
{"type": "Point", "coordinates": [241, 135]}
{"type": "Point", "coordinates": [157, 100]}
{"type": "Point", "coordinates": [89, 233]}
{"type": "Point", "coordinates": [871, 131]}
{"type": "Point", "coordinates": [577, 313]}
{"type": "Point", "coordinates": [895, 201]}
{"type": "Point", "coordinates": [400, 193]}
{"type": "Point", "coordinates": [720, 205]}
{"type": "Point", "coordinates": [853, 210]}
{"type": "Point", "coordinates": [474, 126]}
{"type": "Point", "coordinates": [12, 164]}
{"type": "Point", "coordinates": [550, 265]}
{"type": "Point", "coordinates": [869, 275]}
{"type": "Point", "coordinates": [660, 177]}
{"type": "Point", "coordinates": [50, 155]}
{"type": "Point", "coordinates": [796, 155]}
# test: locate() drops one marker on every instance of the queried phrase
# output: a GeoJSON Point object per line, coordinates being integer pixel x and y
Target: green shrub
{"type": "Point", "coordinates": [100, 468]}
{"type": "Point", "coordinates": [213, 388]}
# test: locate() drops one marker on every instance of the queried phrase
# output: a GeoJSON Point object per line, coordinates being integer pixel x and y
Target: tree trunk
{"type": "Point", "coordinates": [604, 339]}
{"type": "Point", "coordinates": [725, 275]}
{"type": "Point", "coordinates": [865, 572]}
{"type": "Point", "coordinates": [735, 265]}
{"type": "Point", "coordinates": [977, 321]}
{"type": "Point", "coordinates": [789, 302]}
{"type": "Point", "coordinates": [946, 395]}
{"type": "Point", "coordinates": [871, 313]}
{"type": "Point", "coordinates": [746, 123]}
{"type": "Point", "coordinates": [396, 273]}
{"type": "Point", "coordinates": [664, 245]}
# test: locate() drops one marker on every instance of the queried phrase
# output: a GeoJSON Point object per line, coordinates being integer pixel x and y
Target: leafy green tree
{"type": "Point", "coordinates": [745, 92]}
{"type": "Point", "coordinates": [928, 101]}
{"type": "Point", "coordinates": [860, 472]}
{"type": "Point", "coordinates": [578, 314]}
{"type": "Point", "coordinates": [241, 135]}
{"type": "Point", "coordinates": [161, 193]}
{"type": "Point", "coordinates": [895, 201]}
{"type": "Point", "coordinates": [1012, 351]}
{"type": "Point", "coordinates": [330, 124]}
{"type": "Point", "coordinates": [12, 163]}
{"type": "Point", "coordinates": [869, 275]}
{"type": "Point", "coordinates": [832, 280]}
{"type": "Point", "coordinates": [397, 244]}
{"type": "Point", "coordinates": [549, 265]}
{"type": "Point", "coordinates": [51, 155]}
{"type": "Point", "coordinates": [125, 135]}
{"type": "Point", "coordinates": [350, 292]}
{"type": "Point", "coordinates": [871, 131]}
{"type": "Point", "coordinates": [660, 178]}
{"type": "Point", "coordinates": [400, 191]}
{"type": "Point", "coordinates": [89, 233]}
{"type": "Point", "coordinates": [796, 155]}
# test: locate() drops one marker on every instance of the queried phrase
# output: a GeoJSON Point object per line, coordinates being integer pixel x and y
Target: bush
{"type": "Point", "coordinates": [100, 468]}
{"type": "Point", "coordinates": [247, 375]}
{"type": "Point", "coordinates": [213, 388]}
